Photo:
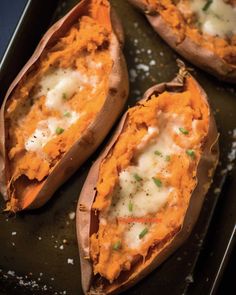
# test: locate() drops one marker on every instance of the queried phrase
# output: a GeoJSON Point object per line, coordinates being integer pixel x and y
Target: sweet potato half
{"type": "Point", "coordinates": [62, 104]}
{"type": "Point", "coordinates": [204, 32]}
{"type": "Point", "coordinates": [143, 195]}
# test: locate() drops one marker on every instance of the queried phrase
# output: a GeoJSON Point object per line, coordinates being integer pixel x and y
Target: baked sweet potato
{"type": "Point", "coordinates": [62, 104]}
{"type": "Point", "coordinates": [204, 32]}
{"type": "Point", "coordinates": [143, 195]}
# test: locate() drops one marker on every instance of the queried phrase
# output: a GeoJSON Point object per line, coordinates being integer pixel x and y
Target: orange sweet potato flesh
{"type": "Point", "coordinates": [89, 35]}
{"type": "Point", "coordinates": [109, 271]}
{"type": "Point", "coordinates": [173, 22]}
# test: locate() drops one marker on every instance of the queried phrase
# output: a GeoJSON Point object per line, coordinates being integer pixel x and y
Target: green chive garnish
{"type": "Point", "coordinates": [64, 96]}
{"type": "Point", "coordinates": [184, 131]}
{"type": "Point", "coordinates": [158, 153]}
{"type": "Point", "coordinates": [67, 114]}
{"type": "Point", "coordinates": [190, 153]}
{"type": "Point", "coordinates": [167, 158]}
{"type": "Point", "coordinates": [157, 181]}
{"type": "Point", "coordinates": [130, 206]}
{"type": "Point", "coordinates": [117, 246]}
{"type": "Point", "coordinates": [137, 177]}
{"type": "Point", "coordinates": [143, 233]}
{"type": "Point", "coordinates": [59, 130]}
{"type": "Point", "coordinates": [207, 5]}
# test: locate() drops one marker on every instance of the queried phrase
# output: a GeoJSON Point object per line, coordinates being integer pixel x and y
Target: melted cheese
{"type": "Point", "coordinates": [92, 64]}
{"type": "Point", "coordinates": [131, 236]}
{"type": "Point", "coordinates": [58, 86]}
{"type": "Point", "coordinates": [219, 19]}
{"type": "Point", "coordinates": [144, 195]}
{"type": "Point", "coordinates": [47, 130]}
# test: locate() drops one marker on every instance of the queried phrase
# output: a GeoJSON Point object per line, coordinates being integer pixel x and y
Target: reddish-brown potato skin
{"type": "Point", "coordinates": [117, 94]}
{"type": "Point", "coordinates": [87, 221]}
{"type": "Point", "coordinates": [201, 57]}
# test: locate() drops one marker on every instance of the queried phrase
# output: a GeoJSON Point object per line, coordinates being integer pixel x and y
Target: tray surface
{"type": "Point", "coordinates": [39, 253]}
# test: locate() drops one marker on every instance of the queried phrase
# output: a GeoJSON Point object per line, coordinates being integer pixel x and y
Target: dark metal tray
{"type": "Point", "coordinates": [39, 253]}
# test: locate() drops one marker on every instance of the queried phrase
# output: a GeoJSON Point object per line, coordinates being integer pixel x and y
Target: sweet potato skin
{"type": "Point", "coordinates": [87, 221]}
{"type": "Point", "coordinates": [201, 57]}
{"type": "Point", "coordinates": [116, 97]}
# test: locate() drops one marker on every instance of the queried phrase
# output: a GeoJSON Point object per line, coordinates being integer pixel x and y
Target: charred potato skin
{"type": "Point", "coordinates": [117, 94]}
{"type": "Point", "coordinates": [87, 220]}
{"type": "Point", "coordinates": [201, 57]}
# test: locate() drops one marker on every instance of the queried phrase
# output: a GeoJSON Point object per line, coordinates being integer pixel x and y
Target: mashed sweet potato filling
{"type": "Point", "coordinates": [146, 180]}
{"type": "Point", "coordinates": [212, 24]}
{"type": "Point", "coordinates": [55, 103]}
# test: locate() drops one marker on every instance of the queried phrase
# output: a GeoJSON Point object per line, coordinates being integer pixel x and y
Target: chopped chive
{"type": "Point", "coordinates": [130, 206]}
{"type": "Point", "coordinates": [190, 153]}
{"type": "Point", "coordinates": [59, 130]}
{"type": "Point", "coordinates": [157, 181]}
{"type": "Point", "coordinates": [67, 114]}
{"type": "Point", "coordinates": [184, 131]}
{"type": "Point", "coordinates": [64, 96]}
{"type": "Point", "coordinates": [158, 153]}
{"type": "Point", "coordinates": [117, 245]}
{"type": "Point", "coordinates": [137, 177]}
{"type": "Point", "coordinates": [167, 158]}
{"type": "Point", "coordinates": [143, 233]}
{"type": "Point", "coordinates": [207, 5]}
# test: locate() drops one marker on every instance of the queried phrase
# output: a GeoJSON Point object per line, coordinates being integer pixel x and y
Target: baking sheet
{"type": "Point", "coordinates": [39, 253]}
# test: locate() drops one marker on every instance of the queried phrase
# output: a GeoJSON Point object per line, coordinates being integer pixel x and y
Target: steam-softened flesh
{"type": "Point", "coordinates": [55, 103]}
{"type": "Point", "coordinates": [145, 182]}
{"type": "Point", "coordinates": [210, 25]}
